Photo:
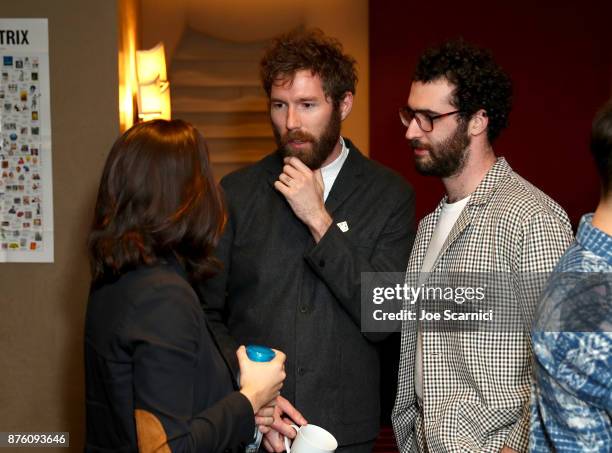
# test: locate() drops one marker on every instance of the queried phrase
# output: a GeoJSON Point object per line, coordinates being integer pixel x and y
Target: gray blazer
{"type": "Point", "coordinates": [476, 385]}
{"type": "Point", "coordinates": [281, 290]}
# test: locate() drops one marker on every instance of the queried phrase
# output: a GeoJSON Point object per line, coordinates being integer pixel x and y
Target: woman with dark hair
{"type": "Point", "coordinates": [155, 380]}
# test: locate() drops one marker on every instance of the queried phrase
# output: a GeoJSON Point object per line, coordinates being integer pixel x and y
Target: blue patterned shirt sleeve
{"type": "Point", "coordinates": [571, 407]}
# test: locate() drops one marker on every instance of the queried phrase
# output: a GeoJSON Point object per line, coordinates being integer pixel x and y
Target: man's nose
{"type": "Point", "coordinates": [413, 130]}
{"type": "Point", "coordinates": [293, 119]}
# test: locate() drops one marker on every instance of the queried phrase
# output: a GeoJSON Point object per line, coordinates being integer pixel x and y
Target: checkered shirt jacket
{"type": "Point", "coordinates": [476, 384]}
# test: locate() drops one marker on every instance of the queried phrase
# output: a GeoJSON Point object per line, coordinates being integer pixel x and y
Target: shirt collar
{"type": "Point", "coordinates": [330, 172]}
{"type": "Point", "coordinates": [593, 239]}
{"type": "Point", "coordinates": [485, 189]}
{"type": "Point", "coordinates": [336, 165]}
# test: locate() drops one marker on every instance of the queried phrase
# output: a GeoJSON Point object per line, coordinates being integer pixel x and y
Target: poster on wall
{"type": "Point", "coordinates": [26, 195]}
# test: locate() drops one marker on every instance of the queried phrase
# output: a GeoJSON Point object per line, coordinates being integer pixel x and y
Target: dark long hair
{"type": "Point", "coordinates": [157, 198]}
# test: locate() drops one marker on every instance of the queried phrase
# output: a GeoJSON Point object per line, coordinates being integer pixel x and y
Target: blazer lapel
{"type": "Point", "coordinates": [480, 196]}
{"type": "Point", "coordinates": [349, 178]}
{"type": "Point", "coordinates": [460, 225]}
{"type": "Point", "coordinates": [426, 229]}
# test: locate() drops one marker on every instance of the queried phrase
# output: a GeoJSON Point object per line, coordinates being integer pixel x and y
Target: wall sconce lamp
{"type": "Point", "coordinates": [153, 85]}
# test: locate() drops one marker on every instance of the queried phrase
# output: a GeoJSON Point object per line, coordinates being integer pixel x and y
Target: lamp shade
{"type": "Point", "coordinates": [153, 86]}
{"type": "Point", "coordinates": [151, 64]}
{"type": "Point", "coordinates": [150, 99]}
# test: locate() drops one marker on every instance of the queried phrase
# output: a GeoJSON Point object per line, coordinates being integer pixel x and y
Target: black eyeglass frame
{"type": "Point", "coordinates": [406, 112]}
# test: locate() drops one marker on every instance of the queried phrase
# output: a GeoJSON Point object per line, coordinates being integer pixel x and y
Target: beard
{"type": "Point", "coordinates": [321, 147]}
{"type": "Point", "coordinates": [446, 158]}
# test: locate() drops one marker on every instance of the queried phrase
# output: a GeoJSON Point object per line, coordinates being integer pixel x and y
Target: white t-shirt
{"type": "Point", "coordinates": [448, 217]}
{"type": "Point", "coordinates": [331, 170]}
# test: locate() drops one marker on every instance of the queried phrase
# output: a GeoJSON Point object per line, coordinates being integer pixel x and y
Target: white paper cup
{"type": "Point", "coordinates": [311, 439]}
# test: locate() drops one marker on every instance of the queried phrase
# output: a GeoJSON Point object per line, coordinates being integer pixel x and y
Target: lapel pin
{"type": "Point", "coordinates": [343, 226]}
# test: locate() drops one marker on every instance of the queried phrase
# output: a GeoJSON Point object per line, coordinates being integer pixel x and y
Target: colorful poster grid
{"type": "Point", "coordinates": [26, 211]}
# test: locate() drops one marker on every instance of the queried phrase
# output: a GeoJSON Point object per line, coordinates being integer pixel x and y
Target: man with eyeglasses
{"type": "Point", "coordinates": [463, 390]}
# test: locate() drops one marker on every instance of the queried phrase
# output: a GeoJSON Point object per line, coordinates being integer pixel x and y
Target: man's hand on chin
{"type": "Point", "coordinates": [303, 190]}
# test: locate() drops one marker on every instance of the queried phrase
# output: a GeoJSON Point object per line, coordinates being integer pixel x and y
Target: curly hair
{"type": "Point", "coordinates": [310, 50]}
{"type": "Point", "coordinates": [157, 198]}
{"type": "Point", "coordinates": [480, 83]}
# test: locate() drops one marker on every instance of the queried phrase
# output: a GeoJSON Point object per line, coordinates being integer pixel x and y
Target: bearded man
{"type": "Point", "coordinates": [303, 224]}
{"type": "Point", "coordinates": [462, 390]}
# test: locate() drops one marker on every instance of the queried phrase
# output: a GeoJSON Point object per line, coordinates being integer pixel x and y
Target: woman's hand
{"type": "Point", "coordinates": [261, 382]}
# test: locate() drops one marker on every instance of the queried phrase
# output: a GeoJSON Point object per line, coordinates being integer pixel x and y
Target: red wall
{"type": "Point", "coordinates": [559, 58]}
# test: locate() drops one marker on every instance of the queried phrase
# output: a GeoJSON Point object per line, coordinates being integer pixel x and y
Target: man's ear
{"type": "Point", "coordinates": [478, 123]}
{"type": "Point", "coordinates": [346, 105]}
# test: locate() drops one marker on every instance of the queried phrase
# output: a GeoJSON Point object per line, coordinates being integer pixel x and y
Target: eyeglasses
{"type": "Point", "coordinates": [424, 121]}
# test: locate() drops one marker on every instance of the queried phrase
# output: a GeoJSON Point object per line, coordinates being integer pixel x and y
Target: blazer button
{"type": "Point", "coordinates": [301, 371]}
{"type": "Point", "coordinates": [303, 309]}
{"type": "Point", "coordinates": [322, 263]}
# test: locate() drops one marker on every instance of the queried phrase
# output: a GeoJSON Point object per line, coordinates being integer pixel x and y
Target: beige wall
{"type": "Point", "coordinates": [162, 20]}
{"type": "Point", "coordinates": [245, 20]}
{"type": "Point", "coordinates": [348, 21]}
{"type": "Point", "coordinates": [42, 305]}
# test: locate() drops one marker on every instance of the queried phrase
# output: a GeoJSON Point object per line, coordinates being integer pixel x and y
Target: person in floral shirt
{"type": "Point", "coordinates": [571, 407]}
